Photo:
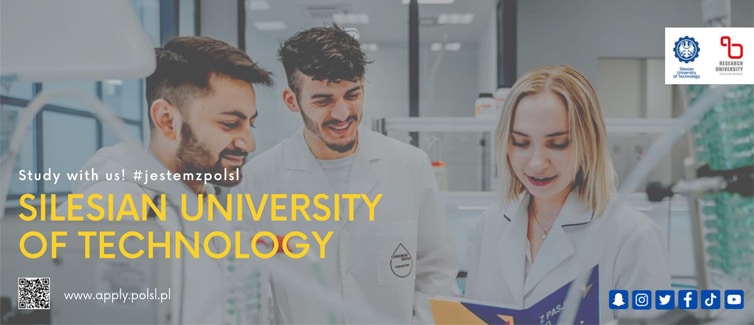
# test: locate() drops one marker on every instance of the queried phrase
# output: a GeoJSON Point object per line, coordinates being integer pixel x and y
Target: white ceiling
{"type": "Point", "coordinates": [388, 19]}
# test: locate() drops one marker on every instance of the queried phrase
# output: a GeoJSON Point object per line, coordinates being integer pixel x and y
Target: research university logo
{"type": "Point", "coordinates": [731, 61]}
{"type": "Point", "coordinates": [686, 49]}
{"type": "Point", "coordinates": [725, 41]}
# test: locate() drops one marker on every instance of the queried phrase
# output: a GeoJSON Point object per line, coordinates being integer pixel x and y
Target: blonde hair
{"type": "Point", "coordinates": [595, 179]}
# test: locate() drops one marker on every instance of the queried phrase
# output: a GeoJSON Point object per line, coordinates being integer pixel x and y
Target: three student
{"type": "Point", "coordinates": [547, 229]}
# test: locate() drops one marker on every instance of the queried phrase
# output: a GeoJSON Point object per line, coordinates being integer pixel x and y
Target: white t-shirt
{"type": "Point", "coordinates": [338, 171]}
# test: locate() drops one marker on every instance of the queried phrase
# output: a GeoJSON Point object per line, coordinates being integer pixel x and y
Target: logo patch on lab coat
{"type": "Point", "coordinates": [401, 262]}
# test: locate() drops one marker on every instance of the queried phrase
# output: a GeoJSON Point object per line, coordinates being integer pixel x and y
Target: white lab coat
{"type": "Point", "coordinates": [629, 248]}
{"type": "Point", "coordinates": [200, 297]}
{"type": "Point", "coordinates": [357, 266]}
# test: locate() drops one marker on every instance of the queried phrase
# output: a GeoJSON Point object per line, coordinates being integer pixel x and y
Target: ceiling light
{"type": "Point", "coordinates": [257, 5]}
{"type": "Point", "coordinates": [430, 2]}
{"type": "Point", "coordinates": [452, 46]}
{"type": "Point", "coordinates": [350, 18]}
{"type": "Point", "coordinates": [270, 25]}
{"type": "Point", "coordinates": [369, 47]}
{"type": "Point", "coordinates": [455, 18]}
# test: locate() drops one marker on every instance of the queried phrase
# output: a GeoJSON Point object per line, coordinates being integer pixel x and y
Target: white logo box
{"type": "Point", "coordinates": [725, 56]}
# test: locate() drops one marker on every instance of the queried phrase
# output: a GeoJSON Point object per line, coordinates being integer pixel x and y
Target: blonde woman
{"type": "Point", "coordinates": [557, 180]}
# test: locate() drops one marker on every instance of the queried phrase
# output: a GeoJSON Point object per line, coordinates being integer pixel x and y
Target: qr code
{"type": "Point", "coordinates": [33, 293]}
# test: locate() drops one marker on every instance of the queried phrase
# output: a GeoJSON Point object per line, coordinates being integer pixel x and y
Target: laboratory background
{"type": "Point", "coordinates": [440, 69]}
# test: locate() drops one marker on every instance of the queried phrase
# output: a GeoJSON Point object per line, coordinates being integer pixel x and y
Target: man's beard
{"type": "Point", "coordinates": [194, 157]}
{"type": "Point", "coordinates": [312, 126]}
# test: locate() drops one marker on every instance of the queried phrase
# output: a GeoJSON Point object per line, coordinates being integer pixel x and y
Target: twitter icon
{"type": "Point", "coordinates": [664, 299]}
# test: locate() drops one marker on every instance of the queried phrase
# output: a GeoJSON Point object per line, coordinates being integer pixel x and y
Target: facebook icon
{"type": "Point", "coordinates": [687, 299]}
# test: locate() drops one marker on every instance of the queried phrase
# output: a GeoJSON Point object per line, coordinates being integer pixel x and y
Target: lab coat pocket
{"type": "Point", "coordinates": [396, 255]}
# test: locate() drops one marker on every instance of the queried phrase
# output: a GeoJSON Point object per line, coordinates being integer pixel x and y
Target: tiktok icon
{"type": "Point", "coordinates": [710, 299]}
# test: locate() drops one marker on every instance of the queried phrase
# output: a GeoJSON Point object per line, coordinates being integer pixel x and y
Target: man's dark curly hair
{"type": "Point", "coordinates": [323, 53]}
{"type": "Point", "coordinates": [185, 65]}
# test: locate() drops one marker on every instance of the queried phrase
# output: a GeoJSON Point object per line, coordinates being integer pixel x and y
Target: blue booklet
{"type": "Point", "coordinates": [546, 311]}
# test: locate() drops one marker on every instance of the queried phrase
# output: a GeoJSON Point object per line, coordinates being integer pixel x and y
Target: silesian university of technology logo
{"type": "Point", "coordinates": [686, 49]}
